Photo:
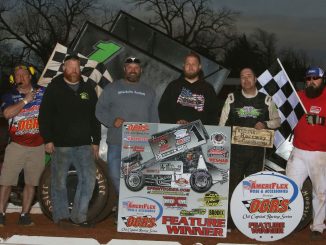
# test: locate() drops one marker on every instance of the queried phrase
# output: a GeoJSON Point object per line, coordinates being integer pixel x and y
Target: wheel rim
{"type": "Point", "coordinates": [134, 180]}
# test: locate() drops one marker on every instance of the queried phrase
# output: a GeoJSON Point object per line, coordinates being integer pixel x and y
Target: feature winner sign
{"type": "Point", "coordinates": [267, 206]}
{"type": "Point", "coordinates": [174, 179]}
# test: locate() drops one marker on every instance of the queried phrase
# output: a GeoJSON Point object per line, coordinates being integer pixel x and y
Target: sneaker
{"type": "Point", "coordinates": [2, 219]}
{"type": "Point", "coordinates": [25, 220]}
{"type": "Point", "coordinates": [316, 236]}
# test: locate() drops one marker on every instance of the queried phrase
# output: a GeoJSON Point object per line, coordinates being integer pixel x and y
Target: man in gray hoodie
{"type": "Point", "coordinates": [124, 100]}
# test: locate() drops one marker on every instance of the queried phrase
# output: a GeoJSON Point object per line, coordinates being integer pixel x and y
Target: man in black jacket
{"type": "Point", "coordinates": [71, 134]}
{"type": "Point", "coordinates": [189, 98]}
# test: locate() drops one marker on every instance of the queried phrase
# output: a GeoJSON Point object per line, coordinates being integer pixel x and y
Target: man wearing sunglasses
{"type": "Point", "coordinates": [26, 149]}
{"type": "Point", "coordinates": [308, 157]}
{"type": "Point", "coordinates": [124, 100]}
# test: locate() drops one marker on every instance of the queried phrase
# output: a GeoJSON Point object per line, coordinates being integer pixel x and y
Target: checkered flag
{"type": "Point", "coordinates": [91, 70]}
{"type": "Point", "coordinates": [276, 83]}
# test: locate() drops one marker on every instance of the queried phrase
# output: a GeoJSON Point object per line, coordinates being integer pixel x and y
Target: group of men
{"type": "Point", "coordinates": [69, 117]}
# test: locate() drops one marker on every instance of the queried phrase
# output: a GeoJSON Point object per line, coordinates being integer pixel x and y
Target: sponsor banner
{"type": "Point", "coordinates": [172, 186]}
{"type": "Point", "coordinates": [267, 206]}
{"type": "Point", "coordinates": [253, 137]}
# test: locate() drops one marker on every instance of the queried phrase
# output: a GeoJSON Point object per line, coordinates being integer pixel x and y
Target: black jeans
{"type": "Point", "coordinates": [245, 160]}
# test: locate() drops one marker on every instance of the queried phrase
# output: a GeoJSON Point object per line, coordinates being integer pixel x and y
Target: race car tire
{"type": "Point", "coordinates": [111, 199]}
{"type": "Point", "coordinates": [135, 181]}
{"type": "Point", "coordinates": [307, 205]}
{"type": "Point", "coordinates": [97, 202]}
{"type": "Point", "coordinates": [201, 180]}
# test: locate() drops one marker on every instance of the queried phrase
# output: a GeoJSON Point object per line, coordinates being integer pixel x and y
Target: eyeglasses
{"type": "Point", "coordinates": [132, 60]}
{"type": "Point", "coordinates": [313, 78]}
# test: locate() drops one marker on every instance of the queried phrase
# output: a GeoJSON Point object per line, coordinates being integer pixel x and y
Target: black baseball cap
{"type": "Point", "coordinates": [131, 60]}
{"type": "Point", "coordinates": [71, 57]}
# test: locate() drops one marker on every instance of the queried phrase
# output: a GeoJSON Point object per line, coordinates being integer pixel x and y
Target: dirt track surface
{"type": "Point", "coordinates": [106, 230]}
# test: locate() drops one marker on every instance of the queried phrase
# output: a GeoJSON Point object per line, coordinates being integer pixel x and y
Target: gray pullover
{"type": "Point", "coordinates": [133, 102]}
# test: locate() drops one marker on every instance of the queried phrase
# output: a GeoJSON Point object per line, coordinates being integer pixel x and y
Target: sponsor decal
{"type": "Point", "coordinates": [181, 133]}
{"type": "Point", "coordinates": [267, 206]}
{"type": "Point", "coordinates": [276, 205]}
{"type": "Point", "coordinates": [218, 160]}
{"type": "Point", "coordinates": [218, 139]}
{"type": "Point", "coordinates": [194, 226]}
{"type": "Point", "coordinates": [220, 151]}
{"type": "Point", "coordinates": [139, 221]}
{"type": "Point", "coordinates": [163, 145]}
{"type": "Point", "coordinates": [193, 212]}
{"type": "Point", "coordinates": [216, 213]}
{"type": "Point", "coordinates": [139, 207]}
{"type": "Point", "coordinates": [142, 206]}
{"type": "Point", "coordinates": [182, 137]}
{"type": "Point", "coordinates": [248, 112]}
{"type": "Point", "coordinates": [135, 139]}
{"type": "Point", "coordinates": [141, 127]}
{"type": "Point", "coordinates": [84, 96]}
{"type": "Point", "coordinates": [30, 123]}
{"type": "Point", "coordinates": [175, 202]}
{"type": "Point", "coordinates": [182, 182]}
{"type": "Point", "coordinates": [171, 166]}
{"type": "Point", "coordinates": [212, 199]}
{"type": "Point", "coordinates": [135, 148]}
{"type": "Point", "coordinates": [315, 109]}
{"type": "Point", "coordinates": [261, 187]}
{"type": "Point", "coordinates": [158, 190]}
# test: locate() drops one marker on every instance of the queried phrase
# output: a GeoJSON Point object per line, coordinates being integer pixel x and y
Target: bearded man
{"type": "Point", "coordinates": [72, 135]}
{"type": "Point", "coordinates": [124, 100]}
{"type": "Point", "coordinates": [190, 97]}
{"type": "Point", "coordinates": [308, 157]}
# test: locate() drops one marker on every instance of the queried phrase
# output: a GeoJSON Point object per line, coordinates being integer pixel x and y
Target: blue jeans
{"type": "Point", "coordinates": [80, 157]}
{"type": "Point", "coordinates": [114, 165]}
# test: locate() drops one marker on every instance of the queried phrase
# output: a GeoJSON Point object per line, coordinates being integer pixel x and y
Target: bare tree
{"type": "Point", "coordinates": [192, 22]}
{"type": "Point", "coordinates": [295, 63]}
{"type": "Point", "coordinates": [266, 45]}
{"type": "Point", "coordinates": [37, 25]}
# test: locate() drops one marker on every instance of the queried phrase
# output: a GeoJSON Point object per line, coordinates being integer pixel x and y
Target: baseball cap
{"type": "Point", "coordinates": [71, 57]}
{"type": "Point", "coordinates": [132, 59]}
{"type": "Point", "coordinates": [315, 71]}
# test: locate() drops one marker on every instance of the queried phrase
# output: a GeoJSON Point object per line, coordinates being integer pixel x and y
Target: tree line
{"type": "Point", "coordinates": [29, 30]}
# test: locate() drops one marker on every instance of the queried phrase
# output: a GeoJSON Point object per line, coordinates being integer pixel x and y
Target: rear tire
{"type": "Point", "coordinates": [97, 202]}
{"type": "Point", "coordinates": [201, 180]}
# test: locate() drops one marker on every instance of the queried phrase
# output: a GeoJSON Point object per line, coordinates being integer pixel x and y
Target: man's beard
{"type": "Point", "coordinates": [72, 77]}
{"type": "Point", "coordinates": [314, 92]}
{"type": "Point", "coordinates": [133, 77]}
{"type": "Point", "coordinates": [191, 75]}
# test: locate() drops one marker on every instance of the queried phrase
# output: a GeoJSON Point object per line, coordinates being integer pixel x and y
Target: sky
{"type": "Point", "coordinates": [299, 24]}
